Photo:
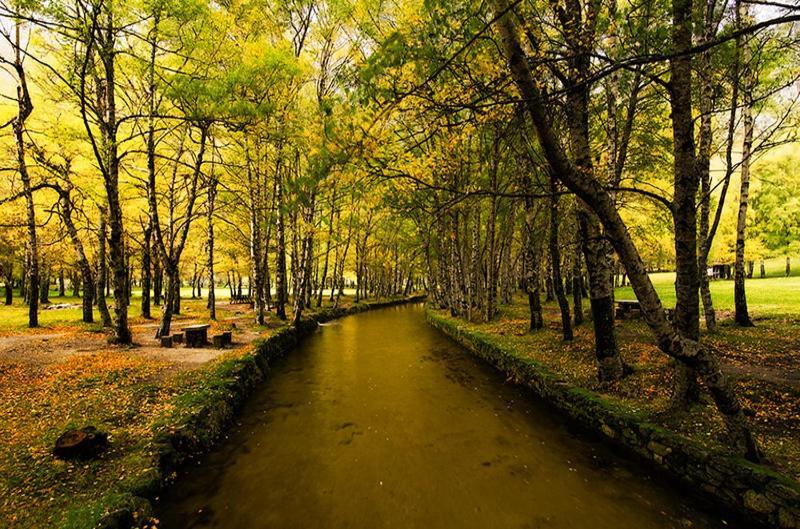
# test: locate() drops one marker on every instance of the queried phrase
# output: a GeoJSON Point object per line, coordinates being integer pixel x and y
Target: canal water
{"type": "Point", "coordinates": [380, 421]}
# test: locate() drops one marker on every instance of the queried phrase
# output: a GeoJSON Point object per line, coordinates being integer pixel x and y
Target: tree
{"type": "Point", "coordinates": [24, 110]}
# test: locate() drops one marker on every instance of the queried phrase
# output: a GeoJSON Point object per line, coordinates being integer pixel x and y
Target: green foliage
{"type": "Point", "coordinates": [776, 202]}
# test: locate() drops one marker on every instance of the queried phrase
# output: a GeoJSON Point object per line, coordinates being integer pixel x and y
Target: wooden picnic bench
{"type": "Point", "coordinates": [196, 335]}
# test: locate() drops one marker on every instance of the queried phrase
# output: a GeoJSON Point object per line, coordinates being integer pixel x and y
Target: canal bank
{"type": "Point", "coordinates": [200, 416]}
{"type": "Point", "coordinates": [754, 492]}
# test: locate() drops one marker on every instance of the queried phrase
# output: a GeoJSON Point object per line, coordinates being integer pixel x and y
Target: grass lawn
{"type": "Point", "coordinates": [774, 295]}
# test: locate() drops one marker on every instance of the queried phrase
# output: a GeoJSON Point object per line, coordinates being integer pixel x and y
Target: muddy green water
{"type": "Point", "coordinates": [378, 420]}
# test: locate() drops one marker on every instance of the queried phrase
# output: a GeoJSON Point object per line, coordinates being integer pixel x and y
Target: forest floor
{"type": "Point", "coordinates": [763, 362]}
{"type": "Point", "coordinates": [64, 375]}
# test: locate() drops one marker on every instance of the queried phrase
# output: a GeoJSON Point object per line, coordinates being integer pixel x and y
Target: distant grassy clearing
{"type": "Point", "coordinates": [774, 295]}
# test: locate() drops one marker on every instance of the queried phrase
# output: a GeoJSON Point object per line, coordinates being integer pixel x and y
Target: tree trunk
{"type": "Point", "coordinates": [601, 297]}
{"type": "Point", "coordinates": [172, 288]}
{"type": "Point", "coordinates": [491, 265]}
{"type": "Point", "coordinates": [555, 264]}
{"type": "Point", "coordinates": [532, 264]}
{"type": "Point", "coordinates": [109, 127]}
{"type": "Point", "coordinates": [706, 104]}
{"type": "Point", "coordinates": [280, 250]}
{"type": "Point", "coordinates": [324, 276]}
{"type": "Point", "coordinates": [158, 280]}
{"type": "Point", "coordinates": [83, 262]}
{"type": "Point", "coordinates": [742, 316]}
{"type": "Point", "coordinates": [146, 268]}
{"type": "Point", "coordinates": [256, 269]}
{"type": "Point", "coordinates": [25, 107]}
{"type": "Point", "coordinates": [102, 270]}
{"type": "Point", "coordinates": [210, 204]}
{"type": "Point", "coordinates": [44, 288]}
{"type": "Point", "coordinates": [686, 183]}
{"type": "Point", "coordinates": [577, 284]}
{"type": "Point", "coordinates": [176, 298]}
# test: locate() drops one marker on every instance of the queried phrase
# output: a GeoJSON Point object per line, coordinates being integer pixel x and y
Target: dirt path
{"type": "Point", "coordinates": [44, 348]}
{"type": "Point", "coordinates": [783, 377]}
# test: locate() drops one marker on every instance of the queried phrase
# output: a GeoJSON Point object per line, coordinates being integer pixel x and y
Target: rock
{"type": "Point", "coordinates": [130, 512]}
{"type": "Point", "coordinates": [658, 448]}
{"type": "Point", "coordinates": [607, 430]}
{"type": "Point", "coordinates": [786, 520]}
{"type": "Point", "coordinates": [757, 502]}
{"type": "Point", "coordinates": [85, 443]}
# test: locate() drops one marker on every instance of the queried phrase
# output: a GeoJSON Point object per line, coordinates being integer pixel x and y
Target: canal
{"type": "Point", "coordinates": [380, 421]}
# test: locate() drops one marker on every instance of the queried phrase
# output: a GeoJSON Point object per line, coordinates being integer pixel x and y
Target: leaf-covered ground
{"type": "Point", "coordinates": [763, 362]}
{"type": "Point", "coordinates": [64, 375]}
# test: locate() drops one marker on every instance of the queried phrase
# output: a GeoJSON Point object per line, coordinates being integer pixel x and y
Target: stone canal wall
{"type": "Point", "coordinates": [757, 494]}
{"type": "Point", "coordinates": [203, 415]}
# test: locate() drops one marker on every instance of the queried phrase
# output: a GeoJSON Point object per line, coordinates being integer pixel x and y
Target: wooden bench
{"type": "Point", "coordinates": [221, 340]}
{"type": "Point", "coordinates": [196, 335]}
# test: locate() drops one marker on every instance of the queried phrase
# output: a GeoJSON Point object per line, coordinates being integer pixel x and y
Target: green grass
{"type": "Point", "coordinates": [774, 295]}
{"type": "Point", "coordinates": [15, 317]}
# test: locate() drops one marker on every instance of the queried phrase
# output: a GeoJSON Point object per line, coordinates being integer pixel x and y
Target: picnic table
{"type": "Point", "coordinates": [628, 306]}
{"type": "Point", "coordinates": [196, 335]}
{"type": "Point", "coordinates": [241, 298]}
